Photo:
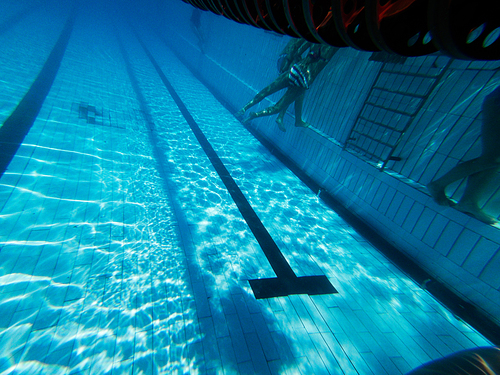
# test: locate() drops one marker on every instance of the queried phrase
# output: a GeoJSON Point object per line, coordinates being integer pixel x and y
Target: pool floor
{"type": "Point", "coordinates": [121, 250]}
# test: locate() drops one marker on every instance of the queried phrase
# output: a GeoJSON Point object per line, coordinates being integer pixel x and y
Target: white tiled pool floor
{"type": "Point", "coordinates": [121, 251]}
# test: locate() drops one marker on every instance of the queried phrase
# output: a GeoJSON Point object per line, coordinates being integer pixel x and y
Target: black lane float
{"type": "Point", "coordinates": [462, 29]}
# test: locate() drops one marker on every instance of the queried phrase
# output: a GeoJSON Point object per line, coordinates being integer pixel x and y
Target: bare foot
{"type": "Point", "coordinates": [473, 210]}
{"type": "Point", "coordinates": [251, 116]}
{"type": "Point", "coordinates": [240, 114]}
{"type": "Point", "coordinates": [438, 194]}
{"type": "Point", "coordinates": [301, 124]}
{"type": "Point", "coordinates": [281, 126]}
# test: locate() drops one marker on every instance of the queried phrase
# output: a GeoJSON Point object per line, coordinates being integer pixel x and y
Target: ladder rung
{"type": "Point", "coordinates": [420, 75]}
{"type": "Point", "coordinates": [381, 125]}
{"type": "Point", "coordinates": [399, 92]}
{"type": "Point", "coordinates": [390, 109]}
{"type": "Point", "coordinates": [359, 149]}
{"type": "Point", "coordinates": [373, 139]}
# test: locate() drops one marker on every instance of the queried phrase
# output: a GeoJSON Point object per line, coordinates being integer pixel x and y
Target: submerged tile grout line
{"type": "Point", "coordinates": [18, 124]}
{"type": "Point", "coordinates": [461, 308]}
{"type": "Point", "coordinates": [286, 282]}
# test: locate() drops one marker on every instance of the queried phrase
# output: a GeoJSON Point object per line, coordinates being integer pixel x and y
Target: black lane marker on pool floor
{"type": "Point", "coordinates": [15, 128]}
{"type": "Point", "coordinates": [286, 282]}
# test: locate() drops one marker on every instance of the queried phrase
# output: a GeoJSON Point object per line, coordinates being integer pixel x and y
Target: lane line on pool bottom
{"type": "Point", "coordinates": [286, 282]}
{"type": "Point", "coordinates": [18, 124]}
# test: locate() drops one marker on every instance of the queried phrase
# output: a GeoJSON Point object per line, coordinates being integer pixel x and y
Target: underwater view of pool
{"type": "Point", "coordinates": [123, 251]}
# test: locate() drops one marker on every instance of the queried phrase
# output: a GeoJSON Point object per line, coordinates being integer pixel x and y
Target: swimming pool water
{"type": "Point", "coordinates": [121, 251]}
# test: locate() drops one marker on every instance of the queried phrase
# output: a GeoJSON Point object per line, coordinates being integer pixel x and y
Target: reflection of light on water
{"type": "Point", "coordinates": [107, 303]}
{"type": "Point", "coordinates": [36, 243]}
{"type": "Point", "coordinates": [115, 152]}
{"type": "Point", "coordinates": [43, 196]}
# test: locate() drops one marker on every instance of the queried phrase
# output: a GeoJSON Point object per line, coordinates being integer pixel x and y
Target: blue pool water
{"type": "Point", "coordinates": [121, 250]}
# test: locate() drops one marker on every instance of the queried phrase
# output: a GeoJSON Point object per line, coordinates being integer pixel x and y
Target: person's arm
{"type": "Point", "coordinates": [303, 47]}
{"type": "Point", "coordinates": [327, 52]}
{"type": "Point", "coordinates": [317, 65]}
{"type": "Point", "coordinates": [290, 54]}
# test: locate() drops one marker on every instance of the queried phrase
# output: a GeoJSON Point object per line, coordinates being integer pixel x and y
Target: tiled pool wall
{"type": "Point", "coordinates": [456, 249]}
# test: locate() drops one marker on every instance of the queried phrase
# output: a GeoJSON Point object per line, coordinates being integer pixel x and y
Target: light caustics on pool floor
{"type": "Point", "coordinates": [122, 251]}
